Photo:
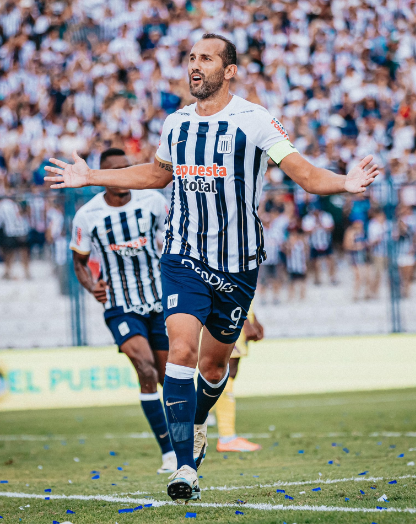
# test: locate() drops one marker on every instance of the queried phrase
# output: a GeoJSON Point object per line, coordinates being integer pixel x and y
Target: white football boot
{"type": "Point", "coordinates": [200, 443]}
{"type": "Point", "coordinates": [183, 485]}
{"type": "Point", "coordinates": [169, 463]}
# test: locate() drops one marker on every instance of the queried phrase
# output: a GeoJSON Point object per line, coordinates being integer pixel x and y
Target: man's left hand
{"type": "Point", "coordinates": [358, 179]}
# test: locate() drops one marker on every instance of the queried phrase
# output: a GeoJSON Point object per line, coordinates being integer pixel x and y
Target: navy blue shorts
{"type": "Point", "coordinates": [315, 253]}
{"type": "Point", "coordinates": [126, 325]}
{"type": "Point", "coordinates": [220, 301]}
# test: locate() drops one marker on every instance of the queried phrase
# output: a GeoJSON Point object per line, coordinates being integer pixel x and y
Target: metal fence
{"type": "Point", "coordinates": [52, 309]}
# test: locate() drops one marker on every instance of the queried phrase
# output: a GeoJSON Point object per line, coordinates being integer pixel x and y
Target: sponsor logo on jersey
{"type": "Point", "coordinates": [199, 185]}
{"type": "Point", "coordinates": [277, 125]}
{"type": "Point", "coordinates": [183, 170]}
{"type": "Point", "coordinates": [129, 249]}
{"type": "Point", "coordinates": [144, 309]}
{"type": "Point", "coordinates": [212, 279]}
{"type": "Point", "coordinates": [78, 235]}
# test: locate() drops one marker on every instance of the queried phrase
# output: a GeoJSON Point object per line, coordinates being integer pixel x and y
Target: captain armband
{"type": "Point", "coordinates": [280, 150]}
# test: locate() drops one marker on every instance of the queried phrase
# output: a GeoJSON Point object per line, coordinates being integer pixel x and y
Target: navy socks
{"type": "Point", "coordinates": [180, 401]}
{"type": "Point", "coordinates": [153, 410]}
{"type": "Point", "coordinates": [207, 395]}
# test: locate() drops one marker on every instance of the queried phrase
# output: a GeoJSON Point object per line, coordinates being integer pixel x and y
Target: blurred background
{"type": "Point", "coordinates": [90, 74]}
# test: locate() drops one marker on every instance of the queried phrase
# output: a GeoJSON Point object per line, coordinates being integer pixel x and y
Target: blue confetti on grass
{"type": "Point", "coordinates": [70, 512]}
{"type": "Point", "coordinates": [256, 476]}
{"type": "Point", "coordinates": [137, 508]}
{"type": "Point", "coordinates": [379, 443]}
{"type": "Point", "coordinates": [46, 447]}
{"type": "Point", "coordinates": [346, 499]}
{"type": "Point", "coordinates": [190, 515]}
{"type": "Point", "coordinates": [362, 492]}
{"type": "Point", "coordinates": [200, 477]}
{"type": "Point", "coordinates": [316, 489]}
{"type": "Point", "coordinates": [334, 444]}
{"type": "Point", "coordinates": [55, 522]}
{"type": "Point", "coordinates": [125, 477]}
{"type": "Point", "coordinates": [125, 463]}
{"type": "Point", "coordinates": [95, 477]}
{"type": "Point", "coordinates": [330, 461]}
{"type": "Point", "coordinates": [113, 453]}
{"type": "Point", "coordinates": [148, 505]}
{"type": "Point", "coordinates": [301, 451]}
{"type": "Point", "coordinates": [280, 491]}
{"type": "Point", "coordinates": [400, 456]}
{"type": "Point", "coordinates": [48, 490]}
{"type": "Point", "coordinates": [288, 497]}
{"type": "Point", "coordinates": [239, 513]}
{"type": "Point", "coordinates": [393, 482]}
{"type": "Point", "coordinates": [346, 450]}
{"type": "Point", "coordinates": [120, 468]}
{"type": "Point", "coordinates": [363, 473]}
{"type": "Point", "coordinates": [380, 507]}
{"type": "Point", "coordinates": [392, 446]}
{"type": "Point", "coordinates": [4, 481]}
{"type": "Point", "coordinates": [240, 501]}
{"type": "Point", "coordinates": [47, 498]}
{"type": "Point", "coordinates": [126, 510]}
{"type": "Point", "coordinates": [114, 484]}
{"type": "Point", "coordinates": [371, 487]}
{"type": "Point", "coordinates": [93, 472]}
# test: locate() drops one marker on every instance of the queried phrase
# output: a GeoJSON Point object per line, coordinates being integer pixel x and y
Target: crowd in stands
{"type": "Point", "coordinates": [340, 75]}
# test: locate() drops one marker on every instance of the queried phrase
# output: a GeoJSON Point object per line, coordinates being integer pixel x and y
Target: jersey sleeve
{"type": "Point", "coordinates": [269, 135]}
{"type": "Point", "coordinates": [163, 152]}
{"type": "Point", "coordinates": [81, 237]}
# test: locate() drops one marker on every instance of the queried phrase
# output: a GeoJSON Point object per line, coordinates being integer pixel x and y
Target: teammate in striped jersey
{"type": "Point", "coordinates": [217, 151]}
{"type": "Point", "coordinates": [122, 224]}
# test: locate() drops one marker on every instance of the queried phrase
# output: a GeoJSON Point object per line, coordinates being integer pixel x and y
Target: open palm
{"type": "Point", "coordinates": [71, 175]}
{"type": "Point", "coordinates": [358, 179]}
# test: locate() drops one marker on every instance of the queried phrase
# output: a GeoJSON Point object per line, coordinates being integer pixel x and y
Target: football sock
{"type": "Point", "coordinates": [180, 401]}
{"type": "Point", "coordinates": [153, 409]}
{"type": "Point", "coordinates": [207, 395]}
{"type": "Point", "coordinates": [225, 410]}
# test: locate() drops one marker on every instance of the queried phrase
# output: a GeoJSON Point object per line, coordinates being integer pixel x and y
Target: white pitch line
{"type": "Point", "coordinates": [159, 503]}
{"type": "Point", "coordinates": [318, 481]}
{"type": "Point", "coordinates": [106, 498]}
{"type": "Point", "coordinates": [148, 435]}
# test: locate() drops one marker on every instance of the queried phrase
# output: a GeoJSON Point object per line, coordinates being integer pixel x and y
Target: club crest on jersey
{"type": "Point", "coordinates": [144, 224]}
{"type": "Point", "coordinates": [225, 144]}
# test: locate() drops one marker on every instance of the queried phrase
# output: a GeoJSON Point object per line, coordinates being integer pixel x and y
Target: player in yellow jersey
{"type": "Point", "coordinates": [225, 407]}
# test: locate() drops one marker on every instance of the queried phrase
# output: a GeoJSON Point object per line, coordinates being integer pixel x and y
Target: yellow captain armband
{"type": "Point", "coordinates": [283, 148]}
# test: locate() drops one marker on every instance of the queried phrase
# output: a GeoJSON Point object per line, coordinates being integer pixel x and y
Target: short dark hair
{"type": "Point", "coordinates": [112, 151]}
{"type": "Point", "coordinates": [229, 54]}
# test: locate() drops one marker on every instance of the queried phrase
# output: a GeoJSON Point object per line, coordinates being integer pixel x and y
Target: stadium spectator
{"type": "Point", "coordinates": [355, 243]}
{"type": "Point", "coordinates": [296, 251]}
{"type": "Point", "coordinates": [14, 233]}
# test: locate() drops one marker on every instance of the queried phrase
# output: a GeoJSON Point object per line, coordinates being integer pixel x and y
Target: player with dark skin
{"type": "Point", "coordinates": [149, 363]}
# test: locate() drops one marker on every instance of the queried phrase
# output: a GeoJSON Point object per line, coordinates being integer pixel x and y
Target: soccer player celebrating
{"type": "Point", "coordinates": [217, 151]}
{"type": "Point", "coordinates": [122, 225]}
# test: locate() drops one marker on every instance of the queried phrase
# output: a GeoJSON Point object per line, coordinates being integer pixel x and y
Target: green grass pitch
{"type": "Point", "coordinates": [358, 432]}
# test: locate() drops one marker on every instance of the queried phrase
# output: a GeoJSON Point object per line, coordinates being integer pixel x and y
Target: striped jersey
{"type": "Point", "coordinates": [125, 237]}
{"type": "Point", "coordinates": [219, 162]}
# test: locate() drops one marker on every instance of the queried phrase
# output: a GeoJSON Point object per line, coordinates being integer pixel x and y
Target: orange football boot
{"type": "Point", "coordinates": [238, 444]}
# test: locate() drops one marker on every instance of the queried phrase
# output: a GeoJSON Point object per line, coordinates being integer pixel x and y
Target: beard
{"type": "Point", "coordinates": [209, 86]}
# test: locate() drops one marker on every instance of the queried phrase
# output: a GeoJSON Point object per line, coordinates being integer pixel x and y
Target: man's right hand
{"type": "Point", "coordinates": [100, 291]}
{"type": "Point", "coordinates": [71, 175]}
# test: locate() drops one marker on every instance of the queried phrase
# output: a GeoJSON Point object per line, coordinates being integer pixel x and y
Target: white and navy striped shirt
{"type": "Point", "coordinates": [126, 240]}
{"type": "Point", "coordinates": [219, 163]}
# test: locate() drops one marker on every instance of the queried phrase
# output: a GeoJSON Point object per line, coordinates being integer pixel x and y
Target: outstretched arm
{"type": "Point", "coordinates": [324, 182]}
{"type": "Point", "coordinates": [144, 176]}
